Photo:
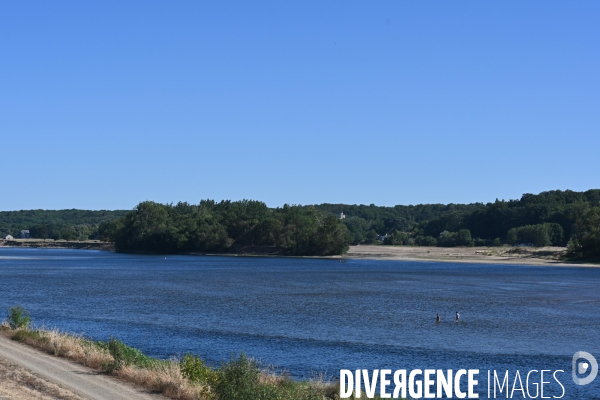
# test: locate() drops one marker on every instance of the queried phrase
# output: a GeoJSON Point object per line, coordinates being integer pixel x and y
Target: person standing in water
{"type": "Point", "coordinates": [457, 317]}
{"type": "Point", "coordinates": [437, 318]}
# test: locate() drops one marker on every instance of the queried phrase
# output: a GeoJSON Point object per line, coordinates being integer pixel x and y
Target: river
{"type": "Point", "coordinates": [317, 316]}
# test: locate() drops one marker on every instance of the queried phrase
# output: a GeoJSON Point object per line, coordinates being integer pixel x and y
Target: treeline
{"type": "Point", "coordinates": [550, 218]}
{"type": "Point", "coordinates": [557, 218]}
{"type": "Point", "coordinates": [56, 224]}
{"type": "Point", "coordinates": [226, 226]}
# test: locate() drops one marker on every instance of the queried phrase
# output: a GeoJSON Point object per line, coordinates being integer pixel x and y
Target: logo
{"type": "Point", "coordinates": [583, 366]}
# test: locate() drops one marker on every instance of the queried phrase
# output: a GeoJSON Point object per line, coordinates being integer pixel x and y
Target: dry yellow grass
{"type": "Point", "coordinates": [72, 347]}
{"type": "Point", "coordinates": [165, 378]}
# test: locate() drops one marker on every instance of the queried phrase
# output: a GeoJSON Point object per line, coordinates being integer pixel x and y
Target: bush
{"type": "Point", "coordinates": [194, 369]}
{"type": "Point", "coordinates": [238, 379]}
{"type": "Point", "coordinates": [124, 355]}
{"type": "Point", "coordinates": [31, 337]}
{"type": "Point", "coordinates": [242, 379]}
{"type": "Point", "coordinates": [18, 318]}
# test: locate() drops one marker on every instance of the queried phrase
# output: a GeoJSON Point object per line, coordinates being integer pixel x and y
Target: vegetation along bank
{"type": "Point", "coordinates": [185, 378]}
{"type": "Point", "coordinates": [553, 218]}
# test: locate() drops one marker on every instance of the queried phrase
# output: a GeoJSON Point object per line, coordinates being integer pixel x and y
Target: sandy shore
{"type": "Point", "coordinates": [494, 255]}
{"type": "Point", "coordinates": [58, 244]}
{"type": "Point", "coordinates": [551, 256]}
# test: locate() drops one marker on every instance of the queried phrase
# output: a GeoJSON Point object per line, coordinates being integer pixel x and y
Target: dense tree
{"type": "Point", "coordinates": [553, 217]}
{"type": "Point", "coordinates": [488, 224]}
{"type": "Point", "coordinates": [586, 240]}
{"type": "Point", "coordinates": [56, 224]}
{"type": "Point", "coordinates": [228, 226]}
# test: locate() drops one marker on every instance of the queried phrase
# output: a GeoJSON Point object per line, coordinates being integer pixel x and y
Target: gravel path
{"type": "Point", "coordinates": [76, 378]}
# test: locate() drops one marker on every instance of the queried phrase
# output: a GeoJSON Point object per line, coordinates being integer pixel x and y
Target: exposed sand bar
{"type": "Point", "coordinates": [490, 255]}
{"type": "Point", "coordinates": [551, 256]}
{"type": "Point", "coordinates": [58, 244]}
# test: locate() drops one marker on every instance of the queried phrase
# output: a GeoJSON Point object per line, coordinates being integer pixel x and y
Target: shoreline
{"type": "Point", "coordinates": [58, 244]}
{"type": "Point", "coordinates": [64, 367]}
{"type": "Point", "coordinates": [113, 370]}
{"type": "Point", "coordinates": [536, 256]}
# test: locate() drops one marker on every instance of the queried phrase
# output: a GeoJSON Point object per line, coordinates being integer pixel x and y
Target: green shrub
{"type": "Point", "coordinates": [124, 355]}
{"type": "Point", "coordinates": [240, 379]}
{"type": "Point", "coordinates": [194, 369]}
{"type": "Point", "coordinates": [30, 336]}
{"type": "Point", "coordinates": [237, 379]}
{"type": "Point", "coordinates": [18, 317]}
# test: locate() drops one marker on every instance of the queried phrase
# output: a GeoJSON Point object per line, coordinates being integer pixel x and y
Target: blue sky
{"type": "Point", "coordinates": [105, 104]}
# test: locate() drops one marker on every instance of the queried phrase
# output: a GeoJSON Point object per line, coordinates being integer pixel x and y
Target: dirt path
{"type": "Point", "coordinates": [70, 377]}
{"type": "Point", "coordinates": [17, 383]}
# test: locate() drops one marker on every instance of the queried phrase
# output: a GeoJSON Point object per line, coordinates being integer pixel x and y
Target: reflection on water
{"type": "Point", "coordinates": [307, 315]}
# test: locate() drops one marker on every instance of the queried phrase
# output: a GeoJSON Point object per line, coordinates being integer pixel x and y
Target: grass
{"type": "Point", "coordinates": [188, 378]}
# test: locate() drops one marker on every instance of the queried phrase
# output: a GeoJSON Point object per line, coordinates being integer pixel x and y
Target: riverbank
{"type": "Point", "coordinates": [550, 256]}
{"type": "Point", "coordinates": [42, 375]}
{"type": "Point", "coordinates": [58, 244]}
{"type": "Point", "coordinates": [187, 378]}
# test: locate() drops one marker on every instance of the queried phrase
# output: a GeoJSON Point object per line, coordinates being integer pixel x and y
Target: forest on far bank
{"type": "Point", "coordinates": [560, 218]}
{"type": "Point", "coordinates": [56, 224]}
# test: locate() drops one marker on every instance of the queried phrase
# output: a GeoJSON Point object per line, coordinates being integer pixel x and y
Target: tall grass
{"type": "Point", "coordinates": [77, 348]}
{"type": "Point", "coordinates": [188, 378]}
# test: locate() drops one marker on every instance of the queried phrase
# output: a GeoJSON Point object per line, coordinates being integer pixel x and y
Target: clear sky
{"type": "Point", "coordinates": [105, 104]}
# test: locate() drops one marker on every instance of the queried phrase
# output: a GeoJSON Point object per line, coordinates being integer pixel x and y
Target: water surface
{"type": "Point", "coordinates": [314, 315]}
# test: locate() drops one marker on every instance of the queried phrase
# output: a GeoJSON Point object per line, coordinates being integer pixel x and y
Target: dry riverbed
{"type": "Point", "coordinates": [499, 255]}
{"type": "Point", "coordinates": [58, 244]}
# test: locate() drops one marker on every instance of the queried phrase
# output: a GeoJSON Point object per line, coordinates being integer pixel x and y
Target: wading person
{"type": "Point", "coordinates": [457, 317]}
{"type": "Point", "coordinates": [437, 318]}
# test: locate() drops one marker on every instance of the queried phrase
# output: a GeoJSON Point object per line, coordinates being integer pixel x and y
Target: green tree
{"type": "Point", "coordinates": [586, 241]}
{"type": "Point", "coordinates": [18, 318]}
{"type": "Point", "coordinates": [538, 235]}
{"type": "Point", "coordinates": [447, 239]}
{"type": "Point", "coordinates": [463, 237]}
